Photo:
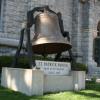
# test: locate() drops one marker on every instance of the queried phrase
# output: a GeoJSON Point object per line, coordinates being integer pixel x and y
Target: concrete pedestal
{"type": "Point", "coordinates": [34, 82]}
{"type": "Point", "coordinates": [78, 80]}
{"type": "Point", "coordinates": [27, 81]}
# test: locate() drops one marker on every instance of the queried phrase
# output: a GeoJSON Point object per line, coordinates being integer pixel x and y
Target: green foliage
{"type": "Point", "coordinates": [23, 62]}
{"type": "Point", "coordinates": [6, 61]}
{"type": "Point", "coordinates": [93, 79]}
{"type": "Point", "coordinates": [91, 85]}
{"type": "Point", "coordinates": [78, 66]}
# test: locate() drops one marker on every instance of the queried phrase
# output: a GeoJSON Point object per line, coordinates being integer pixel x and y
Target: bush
{"type": "Point", "coordinates": [78, 66]}
{"type": "Point", "coordinates": [92, 85]}
{"type": "Point", "coordinates": [6, 61]}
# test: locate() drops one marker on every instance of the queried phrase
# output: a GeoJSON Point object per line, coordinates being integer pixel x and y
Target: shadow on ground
{"type": "Point", "coordinates": [94, 95]}
{"type": "Point", "coordinates": [6, 94]}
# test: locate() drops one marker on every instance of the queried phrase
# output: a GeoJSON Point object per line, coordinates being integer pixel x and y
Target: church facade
{"type": "Point", "coordinates": [80, 19]}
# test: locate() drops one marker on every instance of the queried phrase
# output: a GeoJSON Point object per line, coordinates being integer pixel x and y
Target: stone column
{"type": "Point", "coordinates": [85, 30]}
{"type": "Point", "coordinates": [87, 33]}
{"type": "Point", "coordinates": [91, 62]}
{"type": "Point", "coordinates": [76, 32]}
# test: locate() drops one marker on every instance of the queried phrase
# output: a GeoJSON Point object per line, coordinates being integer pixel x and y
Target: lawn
{"type": "Point", "coordinates": [91, 93]}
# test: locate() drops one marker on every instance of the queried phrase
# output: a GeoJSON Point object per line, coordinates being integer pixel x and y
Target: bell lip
{"type": "Point", "coordinates": [51, 48]}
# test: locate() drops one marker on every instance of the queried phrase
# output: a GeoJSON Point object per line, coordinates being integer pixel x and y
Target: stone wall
{"type": "Point", "coordinates": [15, 12]}
{"type": "Point", "coordinates": [63, 6]}
{"type": "Point", "coordinates": [96, 15]}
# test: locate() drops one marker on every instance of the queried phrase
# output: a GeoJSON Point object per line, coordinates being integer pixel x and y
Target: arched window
{"type": "Point", "coordinates": [97, 46]}
{"type": "Point", "coordinates": [98, 29]}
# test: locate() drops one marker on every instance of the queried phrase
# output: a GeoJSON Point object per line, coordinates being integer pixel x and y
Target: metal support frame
{"type": "Point", "coordinates": [64, 34]}
{"type": "Point", "coordinates": [26, 30]}
{"type": "Point", "coordinates": [15, 61]}
{"type": "Point", "coordinates": [28, 47]}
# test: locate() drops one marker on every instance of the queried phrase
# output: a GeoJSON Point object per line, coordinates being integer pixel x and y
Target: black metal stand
{"type": "Point", "coordinates": [64, 34]}
{"type": "Point", "coordinates": [28, 47]}
{"type": "Point", "coordinates": [57, 57]}
{"type": "Point", "coordinates": [15, 60]}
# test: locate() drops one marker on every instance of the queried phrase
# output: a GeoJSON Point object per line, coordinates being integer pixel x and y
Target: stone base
{"type": "Point", "coordinates": [34, 82]}
{"type": "Point", "coordinates": [27, 81]}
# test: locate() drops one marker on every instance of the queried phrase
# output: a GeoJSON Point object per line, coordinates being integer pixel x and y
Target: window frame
{"type": "Point", "coordinates": [1, 15]}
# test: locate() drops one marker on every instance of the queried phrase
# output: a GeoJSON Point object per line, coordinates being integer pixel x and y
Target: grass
{"type": "Point", "coordinates": [91, 93]}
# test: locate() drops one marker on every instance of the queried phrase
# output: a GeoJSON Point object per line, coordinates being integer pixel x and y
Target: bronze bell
{"type": "Point", "coordinates": [48, 38]}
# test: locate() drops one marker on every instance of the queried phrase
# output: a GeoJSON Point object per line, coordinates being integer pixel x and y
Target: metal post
{"type": "Point", "coordinates": [29, 48]}
{"type": "Point", "coordinates": [15, 61]}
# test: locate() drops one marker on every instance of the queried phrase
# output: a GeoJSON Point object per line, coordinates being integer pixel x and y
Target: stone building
{"type": "Point", "coordinates": [80, 18]}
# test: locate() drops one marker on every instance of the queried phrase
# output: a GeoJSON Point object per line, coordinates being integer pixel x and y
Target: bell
{"type": "Point", "coordinates": [48, 38]}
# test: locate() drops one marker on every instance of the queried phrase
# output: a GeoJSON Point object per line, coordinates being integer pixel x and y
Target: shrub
{"type": "Point", "coordinates": [78, 66]}
{"type": "Point", "coordinates": [6, 61]}
{"type": "Point", "coordinates": [93, 79]}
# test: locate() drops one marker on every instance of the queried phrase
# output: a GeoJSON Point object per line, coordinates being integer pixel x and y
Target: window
{"type": "Point", "coordinates": [1, 15]}
{"type": "Point", "coordinates": [97, 46]}
{"type": "Point", "coordinates": [0, 9]}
